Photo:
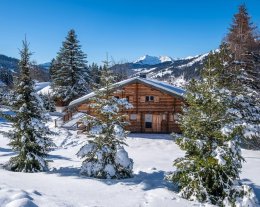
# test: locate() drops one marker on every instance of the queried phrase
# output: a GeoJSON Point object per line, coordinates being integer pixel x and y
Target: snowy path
{"type": "Point", "coordinates": [74, 119]}
{"type": "Point", "coordinates": [63, 187]}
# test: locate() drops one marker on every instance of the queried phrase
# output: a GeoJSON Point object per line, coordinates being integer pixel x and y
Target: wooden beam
{"type": "Point", "coordinates": [142, 122]}
{"type": "Point", "coordinates": [168, 119]}
{"type": "Point", "coordinates": [136, 97]}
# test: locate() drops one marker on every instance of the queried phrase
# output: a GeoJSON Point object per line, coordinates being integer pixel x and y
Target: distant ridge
{"type": "Point", "coordinates": [152, 60]}
{"type": "Point", "coordinates": [175, 71]}
{"type": "Point", "coordinates": [38, 72]}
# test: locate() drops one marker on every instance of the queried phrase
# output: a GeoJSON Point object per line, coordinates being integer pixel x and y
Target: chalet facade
{"type": "Point", "coordinates": [155, 104]}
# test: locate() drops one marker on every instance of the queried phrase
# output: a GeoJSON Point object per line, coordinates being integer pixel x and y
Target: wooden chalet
{"type": "Point", "coordinates": [155, 104]}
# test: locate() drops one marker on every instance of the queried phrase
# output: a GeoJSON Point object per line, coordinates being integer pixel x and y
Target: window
{"type": "Point", "coordinates": [133, 116]}
{"type": "Point", "coordinates": [148, 121]}
{"type": "Point", "coordinates": [149, 98]}
{"type": "Point", "coordinates": [130, 99]}
{"type": "Point", "coordinates": [148, 125]}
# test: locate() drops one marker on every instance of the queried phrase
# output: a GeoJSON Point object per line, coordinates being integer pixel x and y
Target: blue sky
{"type": "Point", "coordinates": [126, 29]}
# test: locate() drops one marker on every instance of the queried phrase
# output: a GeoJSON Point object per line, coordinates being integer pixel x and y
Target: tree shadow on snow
{"type": "Point", "coordinates": [148, 181]}
{"type": "Point", "coordinates": [150, 136]}
{"type": "Point", "coordinates": [65, 171]}
{"type": "Point", "coordinates": [4, 123]}
{"type": "Point", "coordinates": [5, 149]}
{"type": "Point", "coordinates": [256, 188]}
{"type": "Point", "coordinates": [58, 157]}
{"type": "Point", "coordinates": [8, 151]}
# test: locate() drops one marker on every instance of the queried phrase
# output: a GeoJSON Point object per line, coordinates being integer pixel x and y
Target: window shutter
{"type": "Point", "coordinates": [156, 99]}
{"type": "Point", "coordinates": [142, 99]}
{"type": "Point", "coordinates": [133, 116]}
{"type": "Point", "coordinates": [131, 99]}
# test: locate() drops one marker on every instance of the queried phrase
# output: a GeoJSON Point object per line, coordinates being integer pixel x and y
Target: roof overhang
{"type": "Point", "coordinates": [123, 83]}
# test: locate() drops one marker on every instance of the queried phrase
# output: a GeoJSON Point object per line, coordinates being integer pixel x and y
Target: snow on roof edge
{"type": "Point", "coordinates": [90, 95]}
{"type": "Point", "coordinates": [152, 82]}
{"type": "Point", "coordinates": [160, 85]}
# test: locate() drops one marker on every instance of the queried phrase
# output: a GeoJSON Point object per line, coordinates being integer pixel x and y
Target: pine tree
{"type": "Point", "coordinates": [105, 156]}
{"type": "Point", "coordinates": [29, 135]}
{"type": "Point", "coordinates": [243, 46]}
{"type": "Point", "coordinates": [242, 34]}
{"type": "Point", "coordinates": [95, 73]}
{"type": "Point", "coordinates": [209, 171]}
{"type": "Point", "coordinates": [52, 69]}
{"type": "Point", "coordinates": [70, 76]}
{"type": "Point", "coordinates": [48, 102]}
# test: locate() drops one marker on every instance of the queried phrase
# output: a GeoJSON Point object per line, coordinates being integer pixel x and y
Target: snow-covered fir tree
{"type": "Point", "coordinates": [243, 46]}
{"type": "Point", "coordinates": [95, 73]}
{"type": "Point", "coordinates": [104, 155]}
{"type": "Point", "coordinates": [48, 102]}
{"type": "Point", "coordinates": [209, 171]}
{"type": "Point", "coordinates": [69, 72]}
{"type": "Point", "coordinates": [29, 137]}
{"type": "Point", "coordinates": [52, 69]}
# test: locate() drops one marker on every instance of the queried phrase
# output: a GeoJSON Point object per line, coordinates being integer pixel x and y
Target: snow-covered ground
{"type": "Point", "coordinates": [62, 185]}
{"type": "Point", "coordinates": [40, 85]}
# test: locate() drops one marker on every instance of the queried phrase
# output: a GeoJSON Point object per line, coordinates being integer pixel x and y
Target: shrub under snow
{"type": "Point", "coordinates": [105, 156]}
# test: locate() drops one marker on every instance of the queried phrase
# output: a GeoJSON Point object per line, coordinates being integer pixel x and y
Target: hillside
{"type": "Point", "coordinates": [38, 72]}
{"type": "Point", "coordinates": [175, 71]}
{"type": "Point", "coordinates": [9, 63]}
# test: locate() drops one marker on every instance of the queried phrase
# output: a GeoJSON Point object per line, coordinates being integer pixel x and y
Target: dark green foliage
{"type": "Point", "coordinates": [29, 135]}
{"type": "Point", "coordinates": [69, 71]}
{"type": "Point", "coordinates": [95, 74]}
{"type": "Point", "coordinates": [52, 69]}
{"type": "Point", "coordinates": [212, 162]}
{"type": "Point", "coordinates": [48, 102]}
{"type": "Point", "coordinates": [104, 154]}
{"type": "Point", "coordinates": [243, 45]}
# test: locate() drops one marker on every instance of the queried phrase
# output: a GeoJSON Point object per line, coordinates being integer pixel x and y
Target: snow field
{"type": "Point", "coordinates": [62, 186]}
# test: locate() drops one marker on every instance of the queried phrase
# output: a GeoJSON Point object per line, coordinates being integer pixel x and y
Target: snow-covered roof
{"type": "Point", "coordinates": [162, 86]}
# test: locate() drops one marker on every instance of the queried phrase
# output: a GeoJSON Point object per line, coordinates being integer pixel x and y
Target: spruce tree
{"type": "Point", "coordinates": [52, 69]}
{"type": "Point", "coordinates": [70, 75]}
{"type": "Point", "coordinates": [29, 135]}
{"type": "Point", "coordinates": [243, 46]}
{"type": "Point", "coordinates": [242, 37]}
{"type": "Point", "coordinates": [95, 73]}
{"type": "Point", "coordinates": [104, 154]}
{"type": "Point", "coordinates": [209, 171]}
{"type": "Point", "coordinates": [48, 102]}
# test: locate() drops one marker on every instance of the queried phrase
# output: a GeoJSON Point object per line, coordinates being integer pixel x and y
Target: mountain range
{"type": "Point", "coordinates": [38, 72]}
{"type": "Point", "coordinates": [152, 60]}
{"type": "Point", "coordinates": [175, 71]}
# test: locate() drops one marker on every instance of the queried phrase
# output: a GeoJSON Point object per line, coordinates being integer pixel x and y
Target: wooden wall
{"type": "Point", "coordinates": [163, 108]}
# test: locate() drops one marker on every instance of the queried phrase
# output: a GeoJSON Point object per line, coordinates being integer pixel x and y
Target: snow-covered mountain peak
{"type": "Point", "coordinates": [152, 60]}
{"type": "Point", "coordinates": [165, 59]}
